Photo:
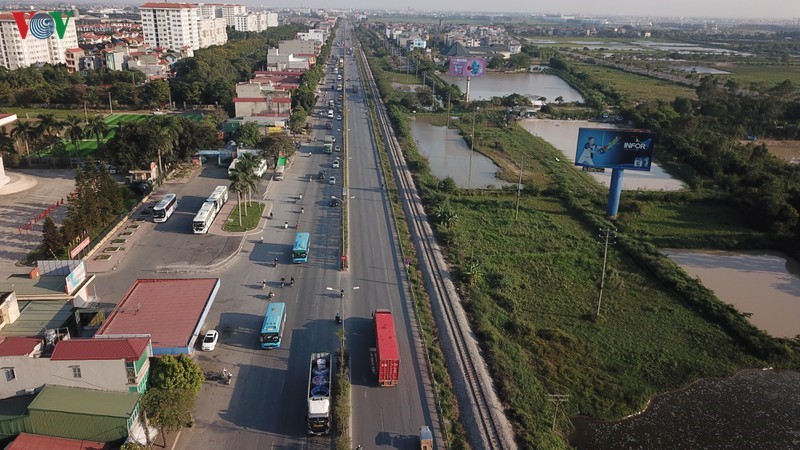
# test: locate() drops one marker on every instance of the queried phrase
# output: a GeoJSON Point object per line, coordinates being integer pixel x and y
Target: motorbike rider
{"type": "Point", "coordinates": [283, 281]}
{"type": "Point", "coordinates": [338, 318]}
{"type": "Point", "coordinates": [291, 281]}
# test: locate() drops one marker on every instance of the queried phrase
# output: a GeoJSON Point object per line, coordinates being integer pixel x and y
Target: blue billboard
{"type": "Point", "coordinates": [614, 149]}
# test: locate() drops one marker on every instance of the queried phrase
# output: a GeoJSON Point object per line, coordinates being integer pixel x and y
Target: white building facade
{"type": "Point", "coordinates": [16, 52]}
{"type": "Point", "coordinates": [176, 26]}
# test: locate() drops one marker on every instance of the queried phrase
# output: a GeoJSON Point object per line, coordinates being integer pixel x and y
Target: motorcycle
{"type": "Point", "coordinates": [338, 318]}
{"type": "Point", "coordinates": [291, 282]}
{"type": "Point", "coordinates": [285, 225]}
{"type": "Point", "coordinates": [341, 293]}
{"type": "Point", "coordinates": [283, 282]}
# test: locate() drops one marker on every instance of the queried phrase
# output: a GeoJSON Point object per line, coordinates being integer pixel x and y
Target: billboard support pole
{"type": "Point", "coordinates": [614, 193]}
{"type": "Point", "coordinates": [468, 79]}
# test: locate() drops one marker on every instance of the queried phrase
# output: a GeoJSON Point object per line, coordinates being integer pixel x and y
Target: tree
{"type": "Point", "coordinates": [173, 373]}
{"type": "Point", "coordinates": [168, 130]}
{"type": "Point", "coordinates": [52, 239]}
{"type": "Point", "coordinates": [155, 94]}
{"type": "Point", "coordinates": [248, 163]}
{"type": "Point", "coordinates": [75, 133]}
{"type": "Point", "coordinates": [168, 409]}
{"type": "Point", "coordinates": [97, 127]}
{"type": "Point", "coordinates": [445, 215]}
{"type": "Point", "coordinates": [274, 145]}
{"type": "Point", "coordinates": [448, 184]}
{"type": "Point", "coordinates": [24, 131]}
{"type": "Point", "coordinates": [248, 135]}
{"type": "Point", "coordinates": [239, 186]}
{"type": "Point", "coordinates": [298, 119]}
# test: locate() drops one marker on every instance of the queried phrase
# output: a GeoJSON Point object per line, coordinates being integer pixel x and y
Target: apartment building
{"type": "Point", "coordinates": [16, 52]}
{"type": "Point", "coordinates": [176, 26]}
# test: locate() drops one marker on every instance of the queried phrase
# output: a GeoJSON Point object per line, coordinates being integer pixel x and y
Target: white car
{"type": "Point", "coordinates": [210, 341]}
{"type": "Point", "coordinates": [332, 180]}
{"type": "Point", "coordinates": [336, 164]}
{"type": "Point", "coordinates": [337, 148]}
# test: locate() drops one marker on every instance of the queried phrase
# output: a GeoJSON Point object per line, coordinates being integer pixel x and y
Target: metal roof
{"type": "Point", "coordinates": [85, 401]}
{"type": "Point", "coordinates": [385, 335]}
{"type": "Point", "coordinates": [130, 349]}
{"type": "Point", "coordinates": [27, 441]}
{"type": "Point", "coordinates": [169, 310]}
{"type": "Point", "coordinates": [36, 317]}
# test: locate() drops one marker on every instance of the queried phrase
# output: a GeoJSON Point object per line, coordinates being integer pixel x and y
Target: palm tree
{"type": "Point", "coordinates": [97, 127]}
{"type": "Point", "coordinates": [445, 215]}
{"type": "Point", "coordinates": [248, 163]}
{"type": "Point", "coordinates": [242, 176]}
{"type": "Point", "coordinates": [239, 186]}
{"type": "Point", "coordinates": [24, 131]}
{"type": "Point", "coordinates": [6, 142]}
{"type": "Point", "coordinates": [168, 132]}
{"type": "Point", "coordinates": [75, 133]}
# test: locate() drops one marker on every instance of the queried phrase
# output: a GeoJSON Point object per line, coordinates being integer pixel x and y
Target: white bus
{"type": "Point", "coordinates": [232, 166]}
{"type": "Point", "coordinates": [165, 208]}
{"type": "Point", "coordinates": [279, 172]}
{"type": "Point", "coordinates": [218, 197]}
{"type": "Point", "coordinates": [204, 218]}
{"type": "Point", "coordinates": [261, 168]}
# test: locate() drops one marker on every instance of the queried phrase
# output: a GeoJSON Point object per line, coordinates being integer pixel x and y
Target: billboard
{"type": "Point", "coordinates": [614, 149]}
{"type": "Point", "coordinates": [467, 67]}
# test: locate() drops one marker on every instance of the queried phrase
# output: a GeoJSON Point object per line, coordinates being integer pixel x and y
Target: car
{"type": "Point", "coordinates": [335, 202]}
{"type": "Point", "coordinates": [210, 341]}
{"type": "Point", "coordinates": [339, 117]}
{"type": "Point", "coordinates": [337, 148]}
{"type": "Point", "coordinates": [335, 164]}
{"type": "Point", "coordinates": [332, 180]}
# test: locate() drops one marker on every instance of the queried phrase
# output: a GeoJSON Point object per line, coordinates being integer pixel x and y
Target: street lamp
{"type": "Point", "coordinates": [472, 148]}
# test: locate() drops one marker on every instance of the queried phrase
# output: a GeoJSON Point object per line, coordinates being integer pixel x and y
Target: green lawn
{"type": "Point", "coordinates": [636, 87]}
{"type": "Point", "coordinates": [249, 220]}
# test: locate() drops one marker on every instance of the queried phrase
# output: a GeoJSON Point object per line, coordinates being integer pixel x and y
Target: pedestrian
{"type": "Point", "coordinates": [262, 239]}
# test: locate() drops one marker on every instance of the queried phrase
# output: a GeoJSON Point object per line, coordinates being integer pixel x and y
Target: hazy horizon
{"type": "Point", "coordinates": [738, 9]}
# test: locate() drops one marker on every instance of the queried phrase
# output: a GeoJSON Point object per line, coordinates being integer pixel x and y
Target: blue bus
{"type": "Point", "coordinates": [272, 329]}
{"type": "Point", "coordinates": [300, 249]}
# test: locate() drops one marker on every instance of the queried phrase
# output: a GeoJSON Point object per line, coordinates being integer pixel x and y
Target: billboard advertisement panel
{"type": "Point", "coordinates": [467, 67]}
{"type": "Point", "coordinates": [614, 149]}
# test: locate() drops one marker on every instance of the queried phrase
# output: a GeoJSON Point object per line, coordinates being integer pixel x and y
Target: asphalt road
{"type": "Point", "coordinates": [265, 405]}
{"type": "Point", "coordinates": [381, 417]}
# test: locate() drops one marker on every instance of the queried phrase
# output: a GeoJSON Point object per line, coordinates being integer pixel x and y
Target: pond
{"type": "Point", "coordinates": [502, 84]}
{"type": "Point", "coordinates": [449, 156]}
{"type": "Point", "coordinates": [563, 135]}
{"type": "Point", "coordinates": [763, 284]}
{"type": "Point", "coordinates": [755, 409]}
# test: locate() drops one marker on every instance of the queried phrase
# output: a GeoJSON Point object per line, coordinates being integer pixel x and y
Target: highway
{"type": "Point", "coordinates": [265, 405]}
{"type": "Point", "coordinates": [382, 417]}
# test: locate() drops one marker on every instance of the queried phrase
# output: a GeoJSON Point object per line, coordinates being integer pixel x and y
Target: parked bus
{"type": "Point", "coordinates": [165, 208]}
{"type": "Point", "coordinates": [300, 249]}
{"type": "Point", "coordinates": [202, 221]}
{"type": "Point", "coordinates": [261, 168]}
{"type": "Point", "coordinates": [218, 198]}
{"type": "Point", "coordinates": [279, 172]}
{"type": "Point", "coordinates": [272, 329]}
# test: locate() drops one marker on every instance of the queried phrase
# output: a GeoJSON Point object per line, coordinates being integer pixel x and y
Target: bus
{"type": "Point", "coordinates": [300, 249]}
{"type": "Point", "coordinates": [202, 221]}
{"type": "Point", "coordinates": [261, 168]}
{"type": "Point", "coordinates": [218, 197]}
{"type": "Point", "coordinates": [272, 329]}
{"type": "Point", "coordinates": [165, 208]}
{"type": "Point", "coordinates": [279, 173]}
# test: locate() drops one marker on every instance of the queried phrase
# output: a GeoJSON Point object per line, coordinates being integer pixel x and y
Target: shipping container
{"type": "Point", "coordinates": [387, 355]}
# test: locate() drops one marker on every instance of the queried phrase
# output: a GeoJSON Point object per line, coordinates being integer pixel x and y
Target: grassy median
{"type": "Point", "coordinates": [251, 215]}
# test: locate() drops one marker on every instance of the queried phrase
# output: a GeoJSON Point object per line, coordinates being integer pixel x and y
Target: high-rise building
{"type": "Point", "coordinates": [176, 26]}
{"type": "Point", "coordinates": [16, 52]}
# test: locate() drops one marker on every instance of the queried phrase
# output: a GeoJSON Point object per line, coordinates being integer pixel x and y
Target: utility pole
{"type": "Point", "coordinates": [519, 188]}
{"type": "Point", "coordinates": [448, 109]}
{"type": "Point", "coordinates": [557, 399]}
{"type": "Point", "coordinates": [110, 106]}
{"type": "Point", "coordinates": [471, 148]}
{"type": "Point", "coordinates": [607, 237]}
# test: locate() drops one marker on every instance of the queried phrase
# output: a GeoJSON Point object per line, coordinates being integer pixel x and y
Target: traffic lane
{"type": "Point", "coordinates": [310, 328]}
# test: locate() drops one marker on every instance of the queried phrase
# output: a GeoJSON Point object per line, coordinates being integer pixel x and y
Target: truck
{"type": "Point", "coordinates": [388, 357]}
{"type": "Point", "coordinates": [320, 375]}
{"type": "Point", "coordinates": [328, 142]}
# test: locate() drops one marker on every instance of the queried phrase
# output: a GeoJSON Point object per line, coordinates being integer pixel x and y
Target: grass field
{"type": "Point", "coordinates": [249, 220]}
{"type": "Point", "coordinates": [534, 307]}
{"type": "Point", "coordinates": [768, 75]}
{"type": "Point", "coordinates": [636, 87]}
{"type": "Point", "coordinates": [89, 145]}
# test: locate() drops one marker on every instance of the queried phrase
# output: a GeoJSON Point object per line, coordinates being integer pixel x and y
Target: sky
{"type": "Point", "coordinates": [784, 9]}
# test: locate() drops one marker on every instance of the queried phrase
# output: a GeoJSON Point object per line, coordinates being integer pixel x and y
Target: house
{"type": "Point", "coordinates": [28, 364]}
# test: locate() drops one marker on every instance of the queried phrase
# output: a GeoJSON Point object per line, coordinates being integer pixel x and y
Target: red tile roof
{"type": "Point", "coordinates": [169, 310]}
{"type": "Point", "coordinates": [168, 5]}
{"type": "Point", "coordinates": [18, 346]}
{"type": "Point", "coordinates": [282, 100]}
{"type": "Point", "coordinates": [27, 441]}
{"type": "Point", "coordinates": [130, 349]}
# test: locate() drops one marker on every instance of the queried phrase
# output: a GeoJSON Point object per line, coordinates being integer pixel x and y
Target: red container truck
{"type": "Point", "coordinates": [388, 357]}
